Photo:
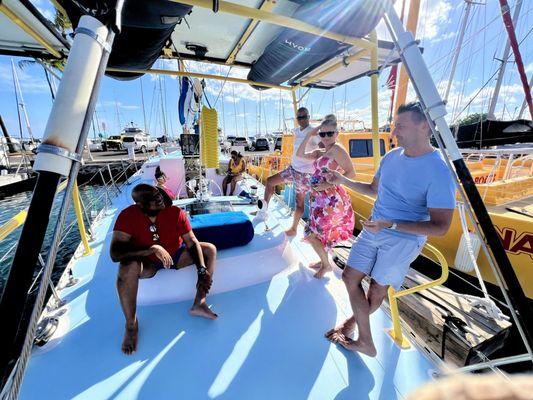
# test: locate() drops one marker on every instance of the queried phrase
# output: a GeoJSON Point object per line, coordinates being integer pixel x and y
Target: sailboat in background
{"type": "Point", "coordinates": [19, 178]}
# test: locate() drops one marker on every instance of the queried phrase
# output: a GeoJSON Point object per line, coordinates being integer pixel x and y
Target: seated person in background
{"type": "Point", "coordinates": [161, 179]}
{"type": "Point", "coordinates": [236, 167]}
{"type": "Point", "coordinates": [151, 235]}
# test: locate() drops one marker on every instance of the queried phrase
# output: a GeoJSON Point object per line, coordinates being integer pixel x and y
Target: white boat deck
{"type": "Point", "coordinates": [268, 342]}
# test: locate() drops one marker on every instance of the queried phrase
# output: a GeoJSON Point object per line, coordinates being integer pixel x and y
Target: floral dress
{"type": "Point", "coordinates": [331, 218]}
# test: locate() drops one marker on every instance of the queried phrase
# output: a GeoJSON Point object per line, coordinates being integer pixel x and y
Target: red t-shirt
{"type": "Point", "coordinates": [171, 224]}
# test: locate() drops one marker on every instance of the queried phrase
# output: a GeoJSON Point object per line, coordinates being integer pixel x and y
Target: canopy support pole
{"type": "Point", "coordinates": [376, 154]}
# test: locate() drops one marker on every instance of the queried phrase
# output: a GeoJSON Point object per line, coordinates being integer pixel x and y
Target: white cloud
{"type": "Point", "coordinates": [434, 15]}
{"type": "Point", "coordinates": [113, 104]}
{"type": "Point", "coordinates": [29, 83]}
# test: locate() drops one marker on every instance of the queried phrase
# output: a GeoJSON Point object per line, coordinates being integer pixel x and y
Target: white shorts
{"type": "Point", "coordinates": [384, 256]}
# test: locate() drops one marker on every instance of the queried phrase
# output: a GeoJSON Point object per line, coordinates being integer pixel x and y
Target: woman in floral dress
{"type": "Point", "coordinates": [332, 218]}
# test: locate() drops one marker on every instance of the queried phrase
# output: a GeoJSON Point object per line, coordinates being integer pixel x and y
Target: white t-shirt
{"type": "Point", "coordinates": [302, 164]}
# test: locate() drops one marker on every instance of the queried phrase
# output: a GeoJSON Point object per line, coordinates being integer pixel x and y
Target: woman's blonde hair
{"type": "Point", "coordinates": [330, 120]}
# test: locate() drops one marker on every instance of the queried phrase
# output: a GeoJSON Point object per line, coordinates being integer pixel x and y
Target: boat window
{"type": "Point", "coordinates": [363, 148]}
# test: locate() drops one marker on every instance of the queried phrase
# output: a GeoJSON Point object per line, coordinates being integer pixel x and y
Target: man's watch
{"type": "Point", "coordinates": [202, 270]}
{"type": "Point", "coordinates": [393, 226]}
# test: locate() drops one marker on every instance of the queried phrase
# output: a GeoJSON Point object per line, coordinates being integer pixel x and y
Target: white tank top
{"type": "Point", "coordinates": [298, 163]}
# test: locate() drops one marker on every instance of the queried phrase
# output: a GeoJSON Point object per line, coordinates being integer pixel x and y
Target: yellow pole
{"type": "Point", "coordinates": [197, 75]}
{"type": "Point", "coordinates": [79, 218]}
{"type": "Point", "coordinates": [374, 100]}
{"type": "Point", "coordinates": [12, 224]}
{"type": "Point", "coordinates": [403, 83]}
{"type": "Point", "coordinates": [15, 18]}
{"type": "Point", "coordinates": [295, 107]}
{"type": "Point", "coordinates": [396, 331]}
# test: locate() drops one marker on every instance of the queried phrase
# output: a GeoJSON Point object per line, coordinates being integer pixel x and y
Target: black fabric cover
{"type": "Point", "coordinates": [146, 27]}
{"type": "Point", "coordinates": [494, 133]}
{"type": "Point", "coordinates": [292, 52]}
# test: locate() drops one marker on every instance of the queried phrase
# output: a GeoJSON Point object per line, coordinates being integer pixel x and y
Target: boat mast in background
{"type": "Point", "coordinates": [412, 23]}
{"type": "Point", "coordinates": [468, 6]}
{"type": "Point", "coordinates": [20, 103]}
{"type": "Point", "coordinates": [504, 59]}
{"type": "Point", "coordinates": [509, 26]}
{"type": "Point", "coordinates": [522, 109]}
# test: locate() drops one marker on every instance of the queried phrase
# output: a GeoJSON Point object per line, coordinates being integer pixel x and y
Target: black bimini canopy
{"type": "Point", "coordinates": [25, 32]}
{"type": "Point", "coordinates": [319, 37]}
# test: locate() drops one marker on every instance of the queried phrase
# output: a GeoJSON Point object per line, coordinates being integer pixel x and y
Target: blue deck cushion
{"type": "Point", "coordinates": [224, 230]}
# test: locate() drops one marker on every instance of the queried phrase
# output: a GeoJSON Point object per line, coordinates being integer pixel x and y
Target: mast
{"type": "Point", "coordinates": [142, 102]}
{"type": "Point", "coordinates": [509, 26]}
{"type": "Point", "coordinates": [20, 104]}
{"type": "Point", "coordinates": [468, 6]}
{"type": "Point", "coordinates": [412, 22]}
{"type": "Point", "coordinates": [505, 56]}
{"type": "Point", "coordinates": [525, 100]}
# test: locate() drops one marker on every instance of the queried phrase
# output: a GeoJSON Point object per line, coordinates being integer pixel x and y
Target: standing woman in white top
{"type": "Point", "coordinates": [298, 173]}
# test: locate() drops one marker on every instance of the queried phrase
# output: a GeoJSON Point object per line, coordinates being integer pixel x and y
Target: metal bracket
{"type": "Point", "coordinates": [58, 151]}
{"type": "Point", "coordinates": [410, 44]}
{"type": "Point", "coordinates": [45, 330]}
{"type": "Point", "coordinates": [94, 36]}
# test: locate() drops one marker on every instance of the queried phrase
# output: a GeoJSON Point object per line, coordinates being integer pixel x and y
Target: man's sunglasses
{"type": "Point", "coordinates": [302, 117]}
{"type": "Point", "coordinates": [155, 235]}
{"type": "Point", "coordinates": [328, 133]}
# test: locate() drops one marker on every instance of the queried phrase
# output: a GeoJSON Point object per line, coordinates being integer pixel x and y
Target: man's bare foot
{"type": "Point", "coordinates": [316, 265]}
{"type": "Point", "coordinates": [129, 343]}
{"type": "Point", "coordinates": [290, 232]}
{"type": "Point", "coordinates": [202, 310]}
{"type": "Point", "coordinates": [358, 345]}
{"type": "Point", "coordinates": [347, 328]}
{"type": "Point", "coordinates": [322, 271]}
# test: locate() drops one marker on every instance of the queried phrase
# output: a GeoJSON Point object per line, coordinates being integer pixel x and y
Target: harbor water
{"type": "Point", "coordinates": [93, 198]}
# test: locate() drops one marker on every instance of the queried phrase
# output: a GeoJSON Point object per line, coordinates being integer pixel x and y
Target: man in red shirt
{"type": "Point", "coordinates": [149, 236]}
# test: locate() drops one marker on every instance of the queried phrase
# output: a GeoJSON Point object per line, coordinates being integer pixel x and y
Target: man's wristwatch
{"type": "Point", "coordinates": [202, 270]}
{"type": "Point", "coordinates": [393, 226]}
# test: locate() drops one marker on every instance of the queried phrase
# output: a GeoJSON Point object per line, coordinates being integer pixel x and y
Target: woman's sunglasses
{"type": "Point", "coordinates": [155, 235]}
{"type": "Point", "coordinates": [302, 117]}
{"type": "Point", "coordinates": [328, 133]}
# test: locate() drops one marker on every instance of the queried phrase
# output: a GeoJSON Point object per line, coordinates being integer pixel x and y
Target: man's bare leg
{"type": "Point", "coordinates": [270, 187]}
{"type": "Point", "coordinates": [127, 285]}
{"type": "Point", "coordinates": [298, 212]}
{"type": "Point", "coordinates": [324, 259]}
{"type": "Point", "coordinates": [361, 309]}
{"type": "Point", "coordinates": [375, 296]}
{"type": "Point", "coordinates": [199, 307]}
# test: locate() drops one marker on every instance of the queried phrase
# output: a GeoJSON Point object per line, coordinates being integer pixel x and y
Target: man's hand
{"type": "Point", "coordinates": [376, 226]}
{"type": "Point", "coordinates": [333, 177]}
{"type": "Point", "coordinates": [204, 282]}
{"type": "Point", "coordinates": [162, 255]}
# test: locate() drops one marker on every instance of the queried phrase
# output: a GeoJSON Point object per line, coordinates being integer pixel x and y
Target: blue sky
{"type": "Point", "coordinates": [239, 106]}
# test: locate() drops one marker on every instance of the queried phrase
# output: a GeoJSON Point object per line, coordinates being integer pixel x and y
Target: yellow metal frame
{"type": "Point", "coordinates": [200, 76]}
{"type": "Point", "coordinates": [357, 56]}
{"type": "Point", "coordinates": [16, 221]}
{"type": "Point", "coordinates": [267, 5]}
{"type": "Point", "coordinates": [374, 100]}
{"type": "Point", "coordinates": [276, 19]}
{"type": "Point", "coordinates": [13, 16]}
{"type": "Point", "coordinates": [396, 331]}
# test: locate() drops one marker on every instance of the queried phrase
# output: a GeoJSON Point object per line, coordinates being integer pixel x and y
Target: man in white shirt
{"type": "Point", "coordinates": [298, 173]}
